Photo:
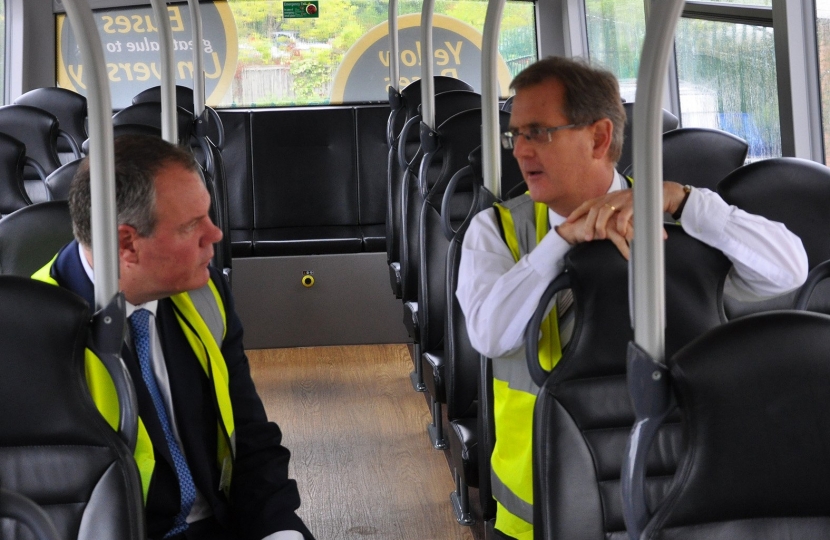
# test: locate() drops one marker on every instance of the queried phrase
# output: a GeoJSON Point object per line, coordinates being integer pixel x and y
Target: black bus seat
{"type": "Point", "coordinates": [69, 107]}
{"type": "Point", "coordinates": [39, 131]}
{"type": "Point", "coordinates": [59, 182]}
{"type": "Point", "coordinates": [215, 130]}
{"type": "Point", "coordinates": [791, 191]}
{"type": "Point", "coordinates": [31, 236]}
{"type": "Point", "coordinates": [149, 114]}
{"type": "Point", "coordinates": [57, 448]}
{"type": "Point", "coordinates": [13, 194]}
{"type": "Point", "coordinates": [752, 397]}
{"type": "Point", "coordinates": [700, 157]}
{"type": "Point", "coordinates": [670, 122]}
{"type": "Point", "coordinates": [462, 362]}
{"type": "Point", "coordinates": [583, 414]}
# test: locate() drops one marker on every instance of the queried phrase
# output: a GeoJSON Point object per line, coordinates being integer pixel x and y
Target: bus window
{"type": "Point", "coordinates": [727, 80]}
{"type": "Point", "coordinates": [823, 35]}
{"type": "Point", "coordinates": [616, 29]}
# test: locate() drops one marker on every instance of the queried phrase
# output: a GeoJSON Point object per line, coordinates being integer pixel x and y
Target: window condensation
{"type": "Point", "coordinates": [727, 81]}
{"type": "Point", "coordinates": [616, 29]}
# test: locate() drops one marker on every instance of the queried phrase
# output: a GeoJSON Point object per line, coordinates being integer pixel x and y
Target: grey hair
{"type": "Point", "coordinates": [138, 160]}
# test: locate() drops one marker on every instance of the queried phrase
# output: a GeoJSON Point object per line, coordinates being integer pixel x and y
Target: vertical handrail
{"type": "Point", "coordinates": [490, 153]}
{"type": "Point", "coordinates": [427, 69]}
{"type": "Point", "coordinates": [647, 250]}
{"type": "Point", "coordinates": [198, 63]}
{"type": "Point", "coordinates": [101, 152]}
{"type": "Point", "coordinates": [169, 129]}
{"type": "Point", "coordinates": [394, 47]}
{"type": "Point", "coordinates": [647, 374]}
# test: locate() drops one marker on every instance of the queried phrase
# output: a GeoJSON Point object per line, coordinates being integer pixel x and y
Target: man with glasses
{"type": "Point", "coordinates": [566, 132]}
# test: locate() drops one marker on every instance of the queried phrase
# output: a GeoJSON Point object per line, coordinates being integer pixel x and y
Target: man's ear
{"type": "Point", "coordinates": [127, 249]}
{"type": "Point", "coordinates": [603, 134]}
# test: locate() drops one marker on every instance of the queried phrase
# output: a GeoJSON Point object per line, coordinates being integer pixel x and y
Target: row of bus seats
{"type": "Point", "coordinates": [694, 156]}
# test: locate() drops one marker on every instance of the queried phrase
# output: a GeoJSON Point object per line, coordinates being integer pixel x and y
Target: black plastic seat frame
{"type": "Point", "coordinates": [670, 122]}
{"type": "Point", "coordinates": [31, 236]}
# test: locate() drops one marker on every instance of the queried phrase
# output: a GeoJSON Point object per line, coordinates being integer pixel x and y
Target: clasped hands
{"type": "Point", "coordinates": [611, 217]}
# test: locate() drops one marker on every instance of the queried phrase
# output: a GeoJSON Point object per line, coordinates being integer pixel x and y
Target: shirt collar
{"type": "Point", "coordinates": [150, 306]}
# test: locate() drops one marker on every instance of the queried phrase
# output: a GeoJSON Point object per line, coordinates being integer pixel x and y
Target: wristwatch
{"type": "Point", "coordinates": [677, 213]}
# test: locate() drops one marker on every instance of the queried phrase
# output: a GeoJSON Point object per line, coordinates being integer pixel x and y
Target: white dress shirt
{"type": "Point", "coordinates": [498, 295]}
{"type": "Point", "coordinates": [201, 509]}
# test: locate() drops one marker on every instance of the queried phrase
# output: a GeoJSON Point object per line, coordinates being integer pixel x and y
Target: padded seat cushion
{"type": "Point", "coordinates": [433, 362]}
{"type": "Point", "coordinates": [374, 238]}
{"type": "Point", "coordinates": [307, 241]}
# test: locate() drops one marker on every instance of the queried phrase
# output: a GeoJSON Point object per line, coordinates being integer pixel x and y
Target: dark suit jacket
{"type": "Point", "coordinates": [263, 499]}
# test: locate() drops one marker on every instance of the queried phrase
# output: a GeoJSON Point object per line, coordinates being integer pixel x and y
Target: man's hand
{"type": "Point", "coordinates": [611, 216]}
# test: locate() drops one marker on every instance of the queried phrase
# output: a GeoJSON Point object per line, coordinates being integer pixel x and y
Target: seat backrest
{"type": "Point", "coordinates": [31, 236]}
{"type": "Point", "coordinates": [69, 107]}
{"type": "Point", "coordinates": [57, 448]}
{"type": "Point", "coordinates": [59, 182]}
{"type": "Point", "coordinates": [13, 195]}
{"type": "Point", "coordinates": [149, 114]}
{"type": "Point", "coordinates": [184, 99]}
{"type": "Point", "coordinates": [583, 414]}
{"type": "Point", "coordinates": [670, 122]}
{"type": "Point", "coordinates": [701, 157]}
{"type": "Point", "coordinates": [791, 191]}
{"type": "Point", "coordinates": [38, 130]}
{"type": "Point", "coordinates": [752, 395]}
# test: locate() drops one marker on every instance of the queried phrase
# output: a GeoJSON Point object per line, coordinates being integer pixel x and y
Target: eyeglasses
{"type": "Point", "coordinates": [536, 135]}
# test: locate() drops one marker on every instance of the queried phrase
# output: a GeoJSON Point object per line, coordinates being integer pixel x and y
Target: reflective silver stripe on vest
{"type": "Point", "coordinates": [523, 211]}
{"type": "Point", "coordinates": [512, 369]}
{"type": "Point", "coordinates": [509, 500]}
{"type": "Point", "coordinates": [205, 303]}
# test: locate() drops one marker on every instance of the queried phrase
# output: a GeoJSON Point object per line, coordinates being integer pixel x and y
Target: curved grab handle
{"type": "Point", "coordinates": [33, 163]}
{"type": "Point", "coordinates": [402, 161]}
{"type": "Point", "coordinates": [73, 144]}
{"type": "Point", "coordinates": [816, 275]}
{"type": "Point", "coordinates": [537, 373]}
{"type": "Point", "coordinates": [446, 224]}
{"type": "Point", "coordinates": [108, 328]}
{"type": "Point", "coordinates": [20, 508]}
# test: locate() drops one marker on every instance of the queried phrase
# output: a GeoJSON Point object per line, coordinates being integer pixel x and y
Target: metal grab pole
{"type": "Point", "coordinates": [490, 152]}
{"type": "Point", "coordinates": [198, 63]}
{"type": "Point", "coordinates": [647, 250]}
{"type": "Point", "coordinates": [427, 69]}
{"type": "Point", "coordinates": [169, 129]}
{"type": "Point", "coordinates": [394, 46]}
{"type": "Point", "coordinates": [101, 152]}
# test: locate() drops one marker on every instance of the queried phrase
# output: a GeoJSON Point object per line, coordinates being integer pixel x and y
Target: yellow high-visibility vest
{"type": "Point", "coordinates": [523, 224]}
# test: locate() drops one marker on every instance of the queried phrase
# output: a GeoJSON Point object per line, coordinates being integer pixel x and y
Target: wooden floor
{"type": "Point", "coordinates": [360, 453]}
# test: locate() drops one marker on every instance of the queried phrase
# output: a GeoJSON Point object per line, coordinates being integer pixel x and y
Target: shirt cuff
{"type": "Point", "coordinates": [284, 535]}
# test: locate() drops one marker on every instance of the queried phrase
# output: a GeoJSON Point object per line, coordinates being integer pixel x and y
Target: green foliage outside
{"type": "Point", "coordinates": [310, 50]}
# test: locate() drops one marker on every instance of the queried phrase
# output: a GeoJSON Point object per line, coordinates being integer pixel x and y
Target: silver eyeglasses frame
{"type": "Point", "coordinates": [538, 135]}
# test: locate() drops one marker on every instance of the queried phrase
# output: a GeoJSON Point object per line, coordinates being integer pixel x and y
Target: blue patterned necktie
{"type": "Point", "coordinates": [140, 323]}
